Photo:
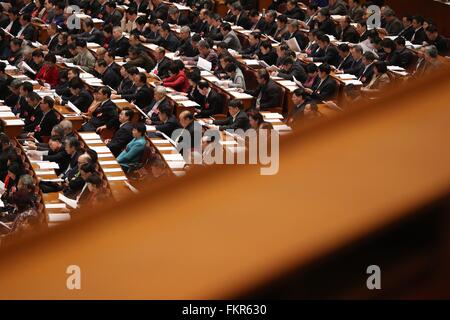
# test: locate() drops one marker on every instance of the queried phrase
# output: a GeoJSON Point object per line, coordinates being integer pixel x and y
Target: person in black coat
{"type": "Point", "coordinates": [294, 32]}
{"type": "Point", "coordinates": [330, 53]}
{"type": "Point", "coordinates": [45, 123]}
{"type": "Point", "coordinates": [185, 47]}
{"type": "Point", "coordinates": [7, 151]}
{"type": "Point", "coordinates": [105, 114]}
{"type": "Point", "coordinates": [119, 45]}
{"type": "Point", "coordinates": [346, 57]}
{"type": "Point", "coordinates": [91, 34]}
{"type": "Point", "coordinates": [160, 10]}
{"type": "Point", "coordinates": [293, 11]}
{"type": "Point", "coordinates": [419, 35]}
{"type": "Point", "coordinates": [368, 62]}
{"type": "Point", "coordinates": [167, 40]}
{"type": "Point", "coordinates": [174, 17]}
{"type": "Point", "coordinates": [167, 121]}
{"type": "Point", "coordinates": [327, 87]}
{"type": "Point", "coordinates": [357, 66]}
{"type": "Point", "coordinates": [108, 75]}
{"type": "Point", "coordinates": [268, 94]}
{"type": "Point", "coordinates": [194, 131]}
{"type": "Point", "coordinates": [325, 23]}
{"type": "Point", "coordinates": [27, 31]}
{"type": "Point", "coordinates": [113, 16]}
{"type": "Point", "coordinates": [239, 16]}
{"type": "Point", "coordinates": [143, 94]}
{"type": "Point", "coordinates": [270, 25]}
{"type": "Point", "coordinates": [267, 53]}
{"type": "Point", "coordinates": [405, 55]}
{"type": "Point", "coordinates": [348, 33]}
{"type": "Point", "coordinates": [408, 30]}
{"type": "Point", "coordinates": [238, 119]}
{"type": "Point", "coordinates": [80, 97]}
{"type": "Point", "coordinates": [57, 153]}
{"type": "Point", "coordinates": [123, 135]}
{"type": "Point", "coordinates": [162, 63]}
{"type": "Point", "coordinates": [213, 101]}
{"type": "Point", "coordinates": [290, 69]}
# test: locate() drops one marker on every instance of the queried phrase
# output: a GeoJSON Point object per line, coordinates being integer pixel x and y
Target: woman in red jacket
{"type": "Point", "coordinates": [49, 71]}
{"type": "Point", "coordinates": [177, 79]}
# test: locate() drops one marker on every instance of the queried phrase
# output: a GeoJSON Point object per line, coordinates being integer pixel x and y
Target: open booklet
{"type": "Point", "coordinates": [298, 82]}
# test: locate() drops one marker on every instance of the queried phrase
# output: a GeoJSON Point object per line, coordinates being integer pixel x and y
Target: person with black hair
{"type": "Point", "coordinates": [44, 124]}
{"type": "Point", "coordinates": [177, 79]}
{"type": "Point", "coordinates": [230, 37]}
{"type": "Point", "coordinates": [419, 35]}
{"type": "Point", "coordinates": [291, 69]}
{"type": "Point", "coordinates": [329, 54]}
{"type": "Point", "coordinates": [49, 72]}
{"type": "Point", "coordinates": [126, 84]}
{"type": "Point", "coordinates": [27, 31]}
{"type": "Point", "coordinates": [194, 93]}
{"type": "Point", "coordinates": [143, 94]}
{"type": "Point", "coordinates": [361, 27]}
{"type": "Point", "coordinates": [6, 151]}
{"type": "Point", "coordinates": [139, 58]}
{"type": "Point", "coordinates": [133, 151]}
{"type": "Point", "coordinates": [91, 34]}
{"type": "Point", "coordinates": [347, 32]}
{"type": "Point", "coordinates": [435, 39]}
{"type": "Point", "coordinates": [213, 27]}
{"type": "Point", "coordinates": [108, 75]}
{"type": "Point", "coordinates": [167, 123]}
{"type": "Point", "coordinates": [158, 10]}
{"type": "Point", "coordinates": [167, 40]}
{"type": "Point", "coordinates": [123, 135]}
{"type": "Point", "coordinates": [104, 116]}
{"type": "Point", "coordinates": [267, 94]}
{"type": "Point", "coordinates": [238, 119]}
{"type": "Point", "coordinates": [408, 29]}
{"type": "Point", "coordinates": [380, 78]}
{"type": "Point", "coordinates": [405, 56]}
{"type": "Point", "coordinates": [80, 96]}
{"type": "Point", "coordinates": [15, 54]}
{"type": "Point", "coordinates": [113, 16]}
{"type": "Point", "coordinates": [162, 66]}
{"type": "Point", "coordinates": [300, 99]}
{"type": "Point", "coordinates": [293, 11]}
{"type": "Point", "coordinates": [267, 53]}
{"type": "Point", "coordinates": [4, 81]}
{"type": "Point", "coordinates": [34, 101]}
{"type": "Point", "coordinates": [254, 40]}
{"type": "Point", "coordinates": [236, 76]}
{"type": "Point", "coordinates": [84, 58]}
{"type": "Point", "coordinates": [15, 171]}
{"type": "Point", "coordinates": [58, 17]}
{"type": "Point", "coordinates": [14, 24]}
{"type": "Point", "coordinates": [357, 66]}
{"type": "Point", "coordinates": [325, 23]}
{"type": "Point", "coordinates": [22, 108]}
{"type": "Point", "coordinates": [213, 101]}
{"type": "Point", "coordinates": [368, 60]}
{"type": "Point", "coordinates": [36, 63]}
{"type": "Point", "coordinates": [326, 88]}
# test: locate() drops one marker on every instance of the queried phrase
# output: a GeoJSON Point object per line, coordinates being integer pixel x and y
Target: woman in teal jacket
{"type": "Point", "coordinates": [133, 152]}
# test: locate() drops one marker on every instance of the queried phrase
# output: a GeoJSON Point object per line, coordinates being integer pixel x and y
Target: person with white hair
{"type": "Point", "coordinates": [158, 100]}
{"type": "Point", "coordinates": [185, 48]}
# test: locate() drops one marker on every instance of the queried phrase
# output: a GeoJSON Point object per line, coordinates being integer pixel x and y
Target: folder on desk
{"type": "Point", "coordinates": [293, 45]}
{"type": "Point", "coordinates": [204, 64]}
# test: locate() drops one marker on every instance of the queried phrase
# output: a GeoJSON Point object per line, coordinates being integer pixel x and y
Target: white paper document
{"type": "Point", "coordinates": [117, 178]}
{"type": "Point", "coordinates": [48, 165]}
{"type": "Point", "coordinates": [204, 64]}
{"type": "Point", "coordinates": [160, 141]}
{"type": "Point", "coordinates": [106, 170]}
{"type": "Point", "coordinates": [101, 149]}
{"type": "Point", "coordinates": [70, 202]}
{"type": "Point", "coordinates": [55, 205]}
{"type": "Point", "coordinates": [173, 157]}
{"type": "Point", "coordinates": [58, 217]}
{"type": "Point", "coordinates": [89, 135]}
{"type": "Point", "coordinates": [108, 162]}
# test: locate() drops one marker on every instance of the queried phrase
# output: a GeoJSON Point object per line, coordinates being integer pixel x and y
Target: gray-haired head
{"type": "Point", "coordinates": [431, 51]}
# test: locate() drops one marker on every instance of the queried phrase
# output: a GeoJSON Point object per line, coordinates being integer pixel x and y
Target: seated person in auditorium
{"type": "Point", "coordinates": [110, 58]}
{"type": "Point", "coordinates": [4, 82]}
{"type": "Point", "coordinates": [267, 94]}
{"type": "Point", "coordinates": [15, 171]}
{"type": "Point", "coordinates": [14, 24]}
{"type": "Point", "coordinates": [256, 120]}
{"type": "Point", "coordinates": [252, 51]}
{"type": "Point", "coordinates": [162, 63]}
{"type": "Point", "coordinates": [80, 97]}
{"type": "Point", "coordinates": [380, 78]}
{"type": "Point", "coordinates": [140, 58]}
{"type": "Point", "coordinates": [293, 11]}
{"type": "Point", "coordinates": [159, 169]}
{"type": "Point", "coordinates": [112, 15]}
{"type": "Point", "coordinates": [213, 101]}
{"type": "Point", "coordinates": [128, 22]}
{"type": "Point", "coordinates": [175, 17]}
{"type": "Point", "coordinates": [142, 95]}
{"type": "Point", "coordinates": [325, 23]}
{"type": "Point", "coordinates": [346, 57]}
{"type": "Point", "coordinates": [368, 61]}
{"type": "Point", "coordinates": [239, 16]}
{"type": "Point", "coordinates": [270, 26]}
{"type": "Point", "coordinates": [267, 53]}
{"type": "Point", "coordinates": [257, 22]}
{"type": "Point", "coordinates": [63, 89]}
{"type": "Point", "coordinates": [300, 100]}
{"type": "Point", "coordinates": [84, 57]}
{"type": "Point", "coordinates": [20, 106]}
{"type": "Point", "coordinates": [224, 61]}
{"type": "Point", "coordinates": [158, 10]}
{"type": "Point", "coordinates": [62, 48]}
{"type": "Point", "coordinates": [167, 40]}
{"type": "Point", "coordinates": [337, 7]}
{"type": "Point", "coordinates": [131, 156]}
{"type": "Point", "coordinates": [188, 45]}
{"type": "Point", "coordinates": [282, 28]}
{"type": "Point", "coordinates": [7, 150]}
{"type": "Point", "coordinates": [393, 25]}
{"type": "Point", "coordinates": [391, 56]}
{"type": "Point", "coordinates": [428, 61]}
{"type": "Point", "coordinates": [44, 123]}
{"type": "Point", "coordinates": [435, 39]}
{"type": "Point", "coordinates": [49, 72]}
{"type": "Point", "coordinates": [160, 99]}
{"type": "Point", "coordinates": [236, 76]}
{"type": "Point", "coordinates": [194, 131]}
{"type": "Point", "coordinates": [194, 93]}
{"type": "Point", "coordinates": [91, 34]}
{"type": "Point", "coordinates": [207, 53]}
{"type": "Point", "coordinates": [108, 75]}
{"type": "Point", "coordinates": [238, 119]}
{"type": "Point", "coordinates": [58, 17]}
{"type": "Point", "coordinates": [177, 79]}
{"type": "Point", "coordinates": [56, 153]}
{"type": "Point", "coordinates": [230, 37]}
{"type": "Point", "coordinates": [167, 123]}
{"type": "Point", "coordinates": [419, 35]}
{"type": "Point", "coordinates": [15, 54]}
{"type": "Point", "coordinates": [126, 85]}
{"type": "Point", "coordinates": [363, 32]}
{"type": "Point", "coordinates": [119, 45]}
{"type": "Point", "coordinates": [357, 66]}
{"type": "Point", "coordinates": [294, 32]}
{"type": "Point", "coordinates": [329, 54]}
{"type": "Point", "coordinates": [347, 32]}
{"type": "Point", "coordinates": [27, 31]}
{"type": "Point", "coordinates": [291, 69]}
{"type": "Point", "coordinates": [75, 186]}
{"type": "Point", "coordinates": [34, 101]}
{"type": "Point", "coordinates": [406, 57]}
{"type": "Point", "coordinates": [98, 194]}
{"type": "Point", "coordinates": [327, 87]}
{"type": "Point", "coordinates": [123, 135]}
{"type": "Point", "coordinates": [36, 63]}
{"type": "Point", "coordinates": [313, 79]}
{"type": "Point", "coordinates": [104, 116]}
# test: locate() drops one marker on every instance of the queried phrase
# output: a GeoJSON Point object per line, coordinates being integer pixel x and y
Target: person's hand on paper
{"type": "Point", "coordinates": [100, 129]}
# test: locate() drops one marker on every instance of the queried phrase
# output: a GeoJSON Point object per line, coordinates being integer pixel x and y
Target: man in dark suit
{"type": "Point", "coordinates": [294, 32]}
{"type": "Point", "coordinates": [238, 119]}
{"type": "Point", "coordinates": [119, 44]}
{"type": "Point", "coordinates": [254, 40]}
{"type": "Point", "coordinates": [105, 114]}
{"type": "Point", "coordinates": [27, 31]}
{"type": "Point", "coordinates": [91, 34]}
{"type": "Point", "coordinates": [357, 66]}
{"type": "Point", "coordinates": [405, 56]}
{"type": "Point", "coordinates": [293, 11]}
{"type": "Point", "coordinates": [160, 10]}
{"type": "Point", "coordinates": [168, 40]}
{"type": "Point", "coordinates": [267, 94]}
{"type": "Point", "coordinates": [113, 16]}
{"type": "Point", "coordinates": [347, 32]}
{"type": "Point", "coordinates": [190, 137]}
{"type": "Point", "coordinates": [290, 69]}
{"type": "Point", "coordinates": [419, 35]}
{"type": "Point", "coordinates": [185, 47]}
{"type": "Point", "coordinates": [393, 25]}
{"type": "Point", "coordinates": [325, 23]}
{"type": "Point", "coordinates": [213, 27]}
{"type": "Point", "coordinates": [108, 75]}
{"type": "Point", "coordinates": [58, 154]}
{"type": "Point", "coordinates": [346, 57]}
{"type": "Point", "coordinates": [257, 22]}
{"type": "Point", "coordinates": [143, 94]}
{"type": "Point", "coordinates": [167, 123]}
{"type": "Point", "coordinates": [408, 30]}
{"type": "Point", "coordinates": [28, 7]}
{"type": "Point", "coordinates": [368, 61]}
{"type": "Point", "coordinates": [270, 25]}
{"type": "Point", "coordinates": [160, 99]}
{"type": "Point", "coordinates": [239, 17]}
{"type": "Point", "coordinates": [327, 87]}
{"type": "Point", "coordinates": [330, 53]}
{"type": "Point", "coordinates": [435, 39]}
{"type": "Point", "coordinates": [162, 63]}
{"type": "Point", "coordinates": [123, 135]}
{"type": "Point", "coordinates": [174, 17]}
{"type": "Point", "coordinates": [52, 40]}
{"type": "Point", "coordinates": [44, 124]}
{"type": "Point", "coordinates": [213, 101]}
{"type": "Point", "coordinates": [80, 98]}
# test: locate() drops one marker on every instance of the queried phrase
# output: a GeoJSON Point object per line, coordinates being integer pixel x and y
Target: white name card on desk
{"type": "Point", "coordinates": [345, 76]}
{"type": "Point", "coordinates": [105, 155]}
{"type": "Point", "coordinates": [282, 127]}
{"type": "Point", "coordinates": [173, 157]}
{"type": "Point", "coordinates": [108, 162]}
{"type": "Point", "coordinates": [48, 165]}
{"type": "Point", "coordinates": [89, 136]}
{"type": "Point", "coordinates": [204, 73]}
{"type": "Point", "coordinates": [118, 178]}
{"type": "Point", "coordinates": [97, 21]}
{"type": "Point", "coordinates": [160, 141]}
{"type": "Point", "coordinates": [116, 101]}
{"type": "Point", "coordinates": [112, 170]}
{"type": "Point", "coordinates": [44, 172]}
{"type": "Point", "coordinates": [58, 217]}
{"type": "Point", "coordinates": [167, 149]}
{"type": "Point", "coordinates": [241, 95]}
{"type": "Point", "coordinates": [287, 83]}
{"type": "Point", "coordinates": [178, 97]}
{"type": "Point", "coordinates": [55, 205]}
{"type": "Point", "coordinates": [14, 122]}
{"type": "Point", "coordinates": [101, 149]}
{"type": "Point", "coordinates": [151, 46]}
